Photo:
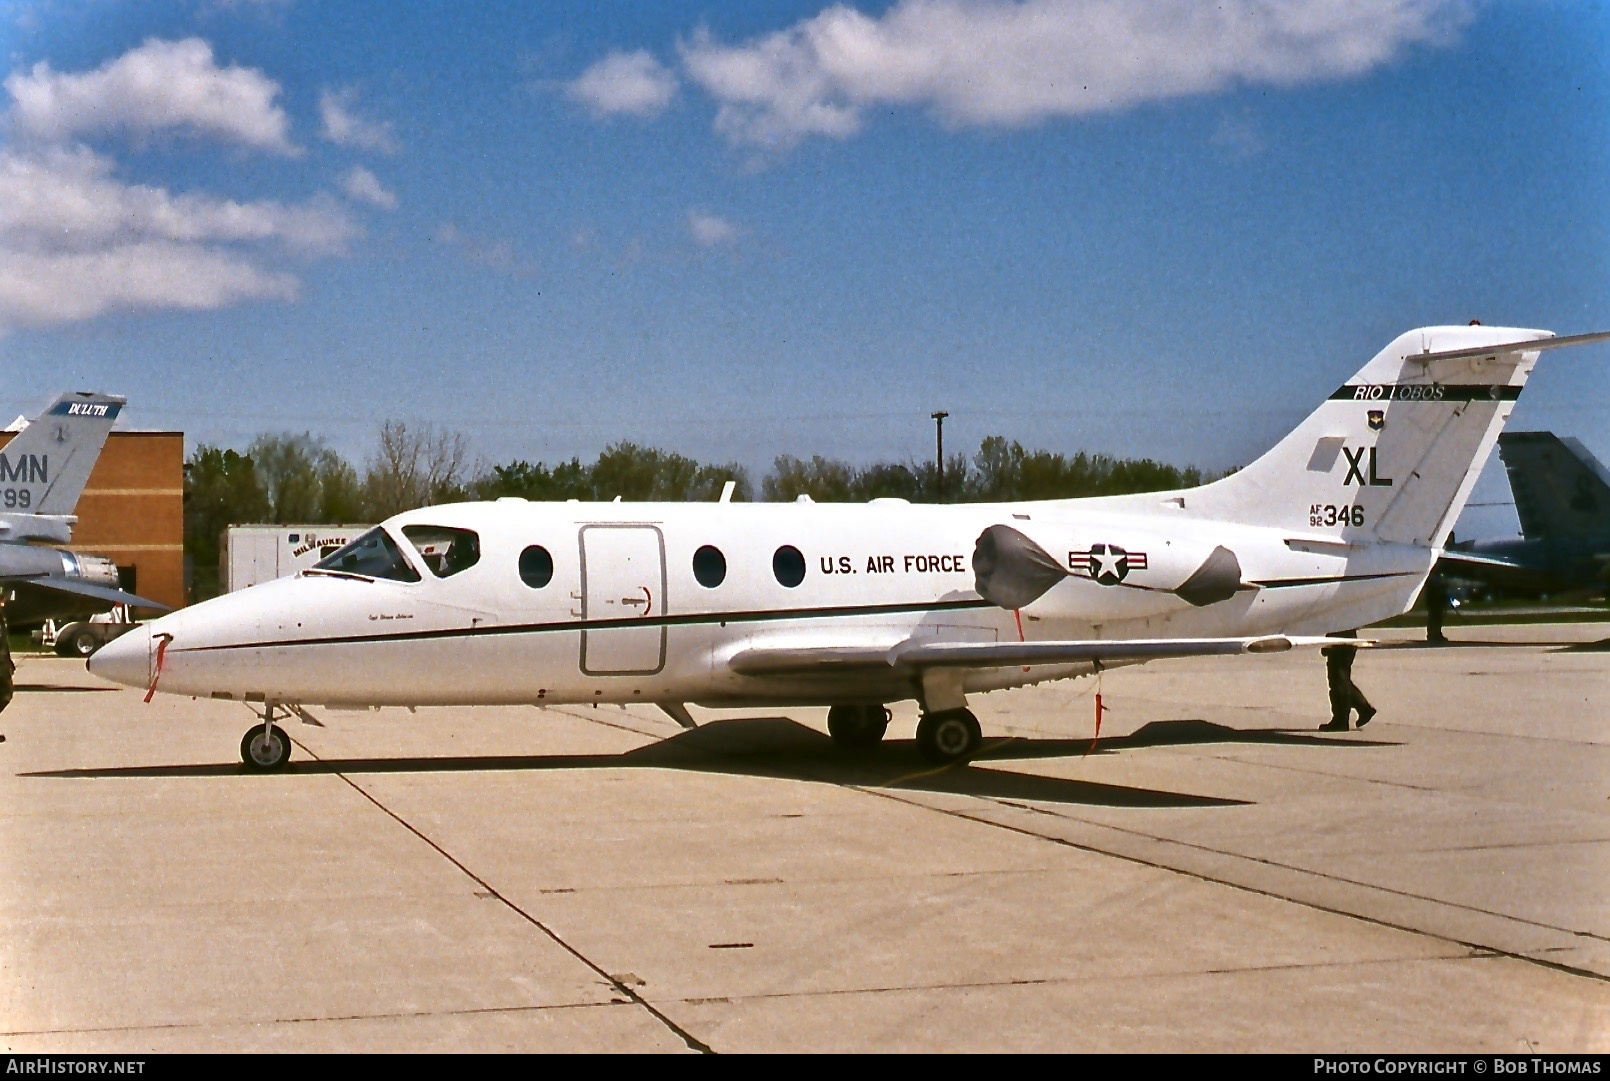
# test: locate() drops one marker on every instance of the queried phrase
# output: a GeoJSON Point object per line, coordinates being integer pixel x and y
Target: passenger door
{"type": "Point", "coordinates": [623, 600]}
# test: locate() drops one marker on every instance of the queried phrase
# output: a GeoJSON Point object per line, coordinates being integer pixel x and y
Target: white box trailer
{"type": "Point", "coordinates": [261, 553]}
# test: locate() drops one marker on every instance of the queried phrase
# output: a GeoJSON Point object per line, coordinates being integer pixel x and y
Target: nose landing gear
{"type": "Point", "coordinates": [265, 747]}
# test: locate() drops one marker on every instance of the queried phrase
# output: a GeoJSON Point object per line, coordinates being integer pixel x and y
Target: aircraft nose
{"type": "Point", "coordinates": [126, 659]}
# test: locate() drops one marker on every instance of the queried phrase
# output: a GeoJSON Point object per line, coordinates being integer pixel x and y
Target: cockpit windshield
{"type": "Point", "coordinates": [373, 555]}
{"type": "Point", "coordinates": [445, 550]}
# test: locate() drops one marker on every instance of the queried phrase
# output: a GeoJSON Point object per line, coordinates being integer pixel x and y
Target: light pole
{"type": "Point", "coordinates": [939, 451]}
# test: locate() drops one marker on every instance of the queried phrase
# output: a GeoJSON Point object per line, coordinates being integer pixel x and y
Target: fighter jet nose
{"type": "Point", "coordinates": [126, 659]}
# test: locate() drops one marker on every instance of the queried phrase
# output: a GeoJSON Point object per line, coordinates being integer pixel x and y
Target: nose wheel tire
{"type": "Point", "coordinates": [264, 752]}
{"type": "Point", "coordinates": [950, 736]}
{"type": "Point", "coordinates": [857, 725]}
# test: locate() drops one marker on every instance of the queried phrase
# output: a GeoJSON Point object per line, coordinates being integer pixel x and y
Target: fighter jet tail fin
{"type": "Point", "coordinates": [44, 468]}
{"type": "Point", "coordinates": [1391, 456]}
{"type": "Point", "coordinates": [1560, 488]}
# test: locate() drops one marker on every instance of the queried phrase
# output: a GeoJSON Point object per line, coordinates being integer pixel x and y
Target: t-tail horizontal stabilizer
{"type": "Point", "coordinates": [1392, 455]}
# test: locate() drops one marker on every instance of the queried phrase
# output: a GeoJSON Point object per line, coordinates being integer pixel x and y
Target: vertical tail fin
{"type": "Point", "coordinates": [1560, 488]}
{"type": "Point", "coordinates": [44, 468]}
{"type": "Point", "coordinates": [1391, 455]}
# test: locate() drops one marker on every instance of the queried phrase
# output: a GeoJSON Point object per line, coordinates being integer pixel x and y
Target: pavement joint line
{"type": "Point", "coordinates": [386, 1015]}
{"type": "Point", "coordinates": [1515, 844]}
{"type": "Point", "coordinates": [1232, 757]}
{"type": "Point", "coordinates": [816, 880]}
{"type": "Point", "coordinates": [1261, 892]}
{"type": "Point", "coordinates": [1067, 981]}
{"type": "Point", "coordinates": [688, 1038]}
{"type": "Point", "coordinates": [1294, 869]}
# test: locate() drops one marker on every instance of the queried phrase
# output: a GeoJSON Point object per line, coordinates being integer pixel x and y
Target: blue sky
{"type": "Point", "coordinates": [737, 231]}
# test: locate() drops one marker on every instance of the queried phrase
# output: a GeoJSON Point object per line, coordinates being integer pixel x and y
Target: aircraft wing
{"type": "Point", "coordinates": [86, 589]}
{"type": "Point", "coordinates": [1455, 560]}
{"type": "Point", "coordinates": [919, 653]}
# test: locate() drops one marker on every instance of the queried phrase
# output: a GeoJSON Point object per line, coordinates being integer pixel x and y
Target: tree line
{"type": "Point", "coordinates": [297, 479]}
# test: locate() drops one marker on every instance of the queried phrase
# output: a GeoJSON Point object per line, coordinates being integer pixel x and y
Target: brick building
{"type": "Point", "coordinates": [132, 512]}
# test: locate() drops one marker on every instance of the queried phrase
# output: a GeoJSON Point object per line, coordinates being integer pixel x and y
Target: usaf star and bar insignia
{"type": "Point", "coordinates": [1106, 564]}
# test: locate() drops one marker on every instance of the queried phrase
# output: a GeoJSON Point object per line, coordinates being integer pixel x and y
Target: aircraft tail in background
{"type": "Point", "coordinates": [1560, 488]}
{"type": "Point", "coordinates": [44, 468]}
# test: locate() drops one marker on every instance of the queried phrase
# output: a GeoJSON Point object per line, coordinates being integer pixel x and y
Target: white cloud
{"type": "Point", "coordinates": [362, 185]}
{"type": "Point", "coordinates": [158, 87]}
{"type": "Point", "coordinates": [996, 63]}
{"type": "Point", "coordinates": [75, 242]}
{"type": "Point", "coordinates": [343, 127]}
{"type": "Point", "coordinates": [47, 288]}
{"type": "Point", "coordinates": [633, 83]}
{"type": "Point", "coordinates": [710, 231]}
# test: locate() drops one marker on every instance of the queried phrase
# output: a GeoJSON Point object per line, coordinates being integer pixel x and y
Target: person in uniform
{"type": "Point", "coordinates": [1436, 601]}
{"type": "Point", "coordinates": [1345, 697]}
{"type": "Point", "coordinates": [7, 665]}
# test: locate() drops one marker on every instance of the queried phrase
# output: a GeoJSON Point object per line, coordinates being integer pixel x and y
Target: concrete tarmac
{"type": "Point", "coordinates": [1213, 875]}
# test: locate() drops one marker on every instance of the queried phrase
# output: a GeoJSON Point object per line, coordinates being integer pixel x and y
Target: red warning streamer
{"type": "Point", "coordinates": [156, 673]}
{"type": "Point", "coordinates": [1100, 709]}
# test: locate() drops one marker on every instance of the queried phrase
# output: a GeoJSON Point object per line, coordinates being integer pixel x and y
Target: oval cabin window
{"type": "Point", "coordinates": [709, 566]}
{"type": "Point", "coordinates": [536, 566]}
{"type": "Point", "coordinates": [788, 565]}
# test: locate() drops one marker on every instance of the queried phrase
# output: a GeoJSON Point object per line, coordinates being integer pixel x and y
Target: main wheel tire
{"type": "Point", "coordinates": [857, 725]}
{"type": "Point", "coordinates": [64, 640]}
{"type": "Point", "coordinates": [83, 642]}
{"type": "Point", "coordinates": [265, 753]}
{"type": "Point", "coordinates": [950, 736]}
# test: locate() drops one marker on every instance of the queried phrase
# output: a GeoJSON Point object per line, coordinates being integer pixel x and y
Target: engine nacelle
{"type": "Point", "coordinates": [1073, 570]}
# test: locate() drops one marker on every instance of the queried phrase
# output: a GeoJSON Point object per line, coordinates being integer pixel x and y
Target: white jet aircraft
{"type": "Point", "coordinates": [856, 606]}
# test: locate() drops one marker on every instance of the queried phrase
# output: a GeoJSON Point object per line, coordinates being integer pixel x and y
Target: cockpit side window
{"type": "Point", "coordinates": [373, 555]}
{"type": "Point", "coordinates": [445, 550]}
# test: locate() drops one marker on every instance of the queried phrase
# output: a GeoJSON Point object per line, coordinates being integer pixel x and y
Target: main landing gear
{"type": "Point", "coordinates": [265, 747]}
{"type": "Point", "coordinates": [948, 736]}
{"type": "Point", "coordinates": [945, 736]}
{"type": "Point", "coordinates": [857, 725]}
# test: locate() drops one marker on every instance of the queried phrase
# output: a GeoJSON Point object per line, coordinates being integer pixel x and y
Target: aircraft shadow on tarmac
{"type": "Point", "coordinates": [779, 747]}
{"type": "Point", "coordinates": [47, 688]}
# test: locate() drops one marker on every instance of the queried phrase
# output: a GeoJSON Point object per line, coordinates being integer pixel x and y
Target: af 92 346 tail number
{"type": "Point", "coordinates": [1320, 514]}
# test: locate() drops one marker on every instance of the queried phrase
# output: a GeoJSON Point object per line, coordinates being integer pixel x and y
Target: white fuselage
{"type": "Point", "coordinates": [625, 618]}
